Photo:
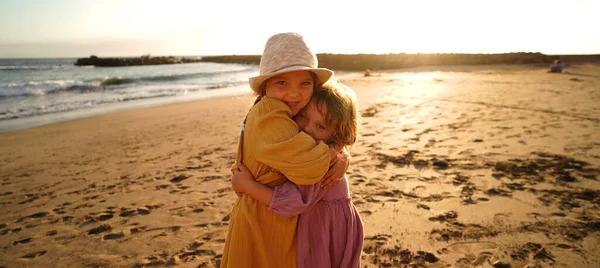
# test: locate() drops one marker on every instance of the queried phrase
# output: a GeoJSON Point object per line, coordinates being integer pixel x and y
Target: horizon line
{"type": "Point", "coordinates": [221, 55]}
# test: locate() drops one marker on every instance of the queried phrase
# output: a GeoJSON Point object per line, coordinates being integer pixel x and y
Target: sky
{"type": "Point", "coordinates": [105, 28]}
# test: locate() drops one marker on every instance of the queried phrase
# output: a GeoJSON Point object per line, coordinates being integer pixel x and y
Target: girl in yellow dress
{"type": "Point", "coordinates": [273, 149]}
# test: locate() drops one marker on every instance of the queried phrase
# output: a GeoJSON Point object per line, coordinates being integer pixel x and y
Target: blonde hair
{"type": "Point", "coordinates": [342, 111]}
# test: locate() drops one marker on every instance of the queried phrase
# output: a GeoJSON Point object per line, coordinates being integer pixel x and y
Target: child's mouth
{"type": "Point", "coordinates": [292, 103]}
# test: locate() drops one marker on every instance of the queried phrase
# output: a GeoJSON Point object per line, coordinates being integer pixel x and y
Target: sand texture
{"type": "Point", "coordinates": [486, 166]}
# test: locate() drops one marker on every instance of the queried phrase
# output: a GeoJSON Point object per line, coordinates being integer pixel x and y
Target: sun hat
{"type": "Point", "coordinates": [287, 52]}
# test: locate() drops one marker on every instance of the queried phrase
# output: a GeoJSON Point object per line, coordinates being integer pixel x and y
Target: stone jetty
{"type": "Point", "coordinates": [143, 60]}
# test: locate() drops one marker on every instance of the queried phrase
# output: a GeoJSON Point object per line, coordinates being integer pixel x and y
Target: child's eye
{"type": "Point", "coordinates": [307, 83]}
{"type": "Point", "coordinates": [319, 126]}
{"type": "Point", "coordinates": [283, 83]}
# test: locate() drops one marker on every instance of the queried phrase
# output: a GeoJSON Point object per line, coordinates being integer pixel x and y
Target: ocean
{"type": "Point", "coordinates": [35, 92]}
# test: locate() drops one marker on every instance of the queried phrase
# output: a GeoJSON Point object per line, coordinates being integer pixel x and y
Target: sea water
{"type": "Point", "coordinates": [36, 92]}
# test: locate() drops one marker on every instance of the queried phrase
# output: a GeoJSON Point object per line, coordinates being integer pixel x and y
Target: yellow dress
{"type": "Point", "coordinates": [272, 146]}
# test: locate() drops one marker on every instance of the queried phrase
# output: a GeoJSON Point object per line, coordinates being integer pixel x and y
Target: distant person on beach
{"type": "Point", "coordinates": [273, 149]}
{"type": "Point", "coordinates": [330, 230]}
{"type": "Point", "coordinates": [557, 66]}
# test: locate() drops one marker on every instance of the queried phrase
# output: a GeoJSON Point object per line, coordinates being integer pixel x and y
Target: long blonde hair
{"type": "Point", "coordinates": [342, 111]}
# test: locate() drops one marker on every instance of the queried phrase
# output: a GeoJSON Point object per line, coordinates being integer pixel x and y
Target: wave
{"type": "Point", "coordinates": [40, 88]}
{"type": "Point", "coordinates": [113, 81]}
{"type": "Point", "coordinates": [70, 106]}
{"type": "Point", "coordinates": [117, 81]}
{"type": "Point", "coordinates": [28, 68]}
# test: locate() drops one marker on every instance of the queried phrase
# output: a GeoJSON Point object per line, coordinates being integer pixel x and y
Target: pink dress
{"type": "Point", "coordinates": [330, 230]}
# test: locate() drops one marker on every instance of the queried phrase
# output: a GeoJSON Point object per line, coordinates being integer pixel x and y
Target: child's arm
{"type": "Point", "coordinates": [287, 199]}
{"type": "Point", "coordinates": [243, 182]}
{"type": "Point", "coordinates": [279, 144]}
{"type": "Point", "coordinates": [337, 170]}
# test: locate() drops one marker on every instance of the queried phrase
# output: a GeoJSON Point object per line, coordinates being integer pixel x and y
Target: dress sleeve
{"type": "Point", "coordinates": [290, 199]}
{"type": "Point", "coordinates": [281, 146]}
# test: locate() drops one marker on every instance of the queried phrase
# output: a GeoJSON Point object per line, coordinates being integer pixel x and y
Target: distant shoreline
{"type": "Point", "coordinates": [361, 62]}
{"type": "Point", "coordinates": [354, 62]}
{"type": "Point", "coordinates": [133, 61]}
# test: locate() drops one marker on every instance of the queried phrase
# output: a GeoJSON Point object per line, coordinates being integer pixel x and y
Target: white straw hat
{"type": "Point", "coordinates": [287, 52]}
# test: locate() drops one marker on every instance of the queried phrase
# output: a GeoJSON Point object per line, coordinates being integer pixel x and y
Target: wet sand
{"type": "Point", "coordinates": [457, 166]}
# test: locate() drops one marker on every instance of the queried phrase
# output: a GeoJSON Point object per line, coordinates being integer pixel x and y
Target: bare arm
{"type": "Point", "coordinates": [287, 199]}
{"type": "Point", "coordinates": [243, 182]}
{"type": "Point", "coordinates": [338, 166]}
{"type": "Point", "coordinates": [281, 146]}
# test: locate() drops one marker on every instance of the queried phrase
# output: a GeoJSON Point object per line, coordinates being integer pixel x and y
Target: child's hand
{"type": "Point", "coordinates": [241, 179]}
{"type": "Point", "coordinates": [336, 170]}
{"type": "Point", "coordinates": [334, 150]}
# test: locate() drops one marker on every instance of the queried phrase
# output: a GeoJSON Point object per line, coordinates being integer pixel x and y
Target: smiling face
{"type": "Point", "coordinates": [313, 122]}
{"type": "Point", "coordinates": [292, 88]}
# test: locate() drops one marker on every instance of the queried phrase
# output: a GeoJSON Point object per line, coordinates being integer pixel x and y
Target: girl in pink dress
{"type": "Point", "coordinates": [330, 230]}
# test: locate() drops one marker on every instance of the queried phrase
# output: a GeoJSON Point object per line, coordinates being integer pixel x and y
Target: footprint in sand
{"type": "Point", "coordinates": [532, 251]}
{"type": "Point", "coordinates": [366, 212]}
{"type": "Point", "coordinates": [397, 177]}
{"type": "Point", "coordinates": [377, 253]}
{"type": "Point", "coordinates": [370, 199]}
{"type": "Point", "coordinates": [419, 189]}
{"type": "Point", "coordinates": [165, 230]}
{"type": "Point", "coordinates": [558, 214]}
{"type": "Point", "coordinates": [22, 241]}
{"type": "Point", "coordinates": [210, 178]}
{"type": "Point", "coordinates": [470, 260]}
{"type": "Point", "coordinates": [34, 254]}
{"type": "Point", "coordinates": [423, 206]}
{"type": "Point", "coordinates": [114, 236]}
{"type": "Point", "coordinates": [150, 261]}
{"type": "Point", "coordinates": [448, 216]}
{"type": "Point", "coordinates": [536, 216]}
{"type": "Point", "coordinates": [33, 216]}
{"type": "Point", "coordinates": [190, 255]}
{"type": "Point", "coordinates": [130, 212]}
{"type": "Point", "coordinates": [180, 178]}
{"type": "Point", "coordinates": [498, 191]}
{"type": "Point", "coordinates": [357, 179]}
{"type": "Point", "coordinates": [59, 210]}
{"type": "Point", "coordinates": [104, 216]}
{"type": "Point", "coordinates": [100, 229]}
{"type": "Point", "coordinates": [30, 198]}
{"type": "Point", "coordinates": [67, 219]}
{"type": "Point", "coordinates": [136, 230]}
{"type": "Point", "coordinates": [483, 199]}
{"type": "Point", "coordinates": [470, 247]}
{"type": "Point", "coordinates": [499, 217]}
{"type": "Point", "coordinates": [208, 236]}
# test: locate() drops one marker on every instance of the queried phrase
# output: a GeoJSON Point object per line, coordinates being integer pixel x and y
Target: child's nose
{"type": "Point", "coordinates": [295, 91]}
{"type": "Point", "coordinates": [307, 129]}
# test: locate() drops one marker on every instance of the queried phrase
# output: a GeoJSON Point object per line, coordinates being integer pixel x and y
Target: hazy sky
{"type": "Point", "coordinates": [79, 28]}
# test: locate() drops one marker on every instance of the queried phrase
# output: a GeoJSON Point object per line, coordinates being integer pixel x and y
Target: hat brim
{"type": "Point", "coordinates": [323, 75]}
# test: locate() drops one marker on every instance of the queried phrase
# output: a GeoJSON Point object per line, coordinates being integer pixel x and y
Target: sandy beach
{"type": "Point", "coordinates": [470, 166]}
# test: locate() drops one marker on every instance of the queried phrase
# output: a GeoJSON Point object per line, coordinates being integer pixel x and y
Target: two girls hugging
{"type": "Point", "coordinates": [294, 207]}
